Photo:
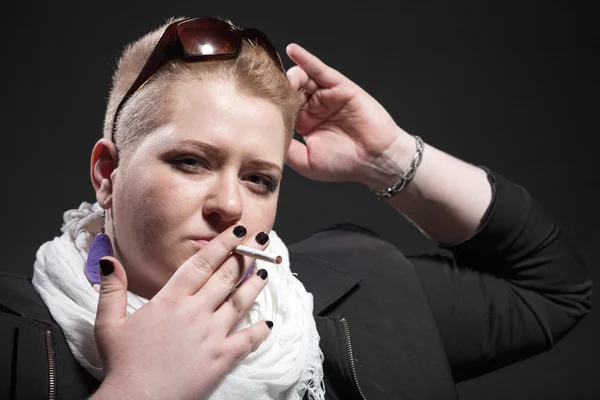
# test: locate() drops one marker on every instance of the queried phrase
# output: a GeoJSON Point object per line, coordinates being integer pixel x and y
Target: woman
{"type": "Point", "coordinates": [189, 168]}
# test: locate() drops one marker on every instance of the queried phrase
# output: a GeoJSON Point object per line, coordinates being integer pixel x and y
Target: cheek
{"type": "Point", "coordinates": [260, 215]}
{"type": "Point", "coordinates": [153, 204]}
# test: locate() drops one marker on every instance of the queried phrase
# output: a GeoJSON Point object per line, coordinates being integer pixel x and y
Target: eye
{"type": "Point", "coordinates": [190, 162]}
{"type": "Point", "coordinates": [264, 182]}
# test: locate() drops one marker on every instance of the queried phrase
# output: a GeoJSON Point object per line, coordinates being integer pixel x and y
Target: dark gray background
{"type": "Point", "coordinates": [507, 85]}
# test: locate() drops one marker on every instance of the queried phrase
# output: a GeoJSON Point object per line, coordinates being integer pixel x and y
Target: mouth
{"type": "Point", "coordinates": [200, 242]}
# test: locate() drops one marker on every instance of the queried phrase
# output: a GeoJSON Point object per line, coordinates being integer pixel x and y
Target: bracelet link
{"type": "Point", "coordinates": [406, 176]}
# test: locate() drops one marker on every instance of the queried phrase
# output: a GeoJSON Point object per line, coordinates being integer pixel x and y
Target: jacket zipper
{"type": "Point", "coordinates": [51, 370]}
{"type": "Point", "coordinates": [351, 357]}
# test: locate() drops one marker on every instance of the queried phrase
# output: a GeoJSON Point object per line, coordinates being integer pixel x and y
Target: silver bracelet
{"type": "Point", "coordinates": [406, 176]}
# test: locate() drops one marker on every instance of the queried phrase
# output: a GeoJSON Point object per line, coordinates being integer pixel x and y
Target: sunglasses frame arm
{"type": "Point", "coordinates": [160, 56]}
{"type": "Point", "coordinates": [169, 47]}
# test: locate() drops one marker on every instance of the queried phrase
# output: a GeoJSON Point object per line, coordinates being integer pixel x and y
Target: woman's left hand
{"type": "Point", "coordinates": [346, 131]}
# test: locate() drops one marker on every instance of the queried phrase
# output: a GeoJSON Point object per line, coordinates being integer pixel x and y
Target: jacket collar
{"type": "Point", "coordinates": [18, 295]}
{"type": "Point", "coordinates": [323, 280]}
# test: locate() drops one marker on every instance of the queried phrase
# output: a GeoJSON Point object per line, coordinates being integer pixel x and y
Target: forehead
{"type": "Point", "coordinates": [220, 114]}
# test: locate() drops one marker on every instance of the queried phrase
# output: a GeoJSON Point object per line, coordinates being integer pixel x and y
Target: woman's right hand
{"type": "Point", "coordinates": [177, 346]}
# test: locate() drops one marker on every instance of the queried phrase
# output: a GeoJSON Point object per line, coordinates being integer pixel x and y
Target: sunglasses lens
{"type": "Point", "coordinates": [208, 37]}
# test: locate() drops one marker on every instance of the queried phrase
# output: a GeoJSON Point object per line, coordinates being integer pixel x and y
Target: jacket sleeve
{"type": "Point", "coordinates": [511, 291]}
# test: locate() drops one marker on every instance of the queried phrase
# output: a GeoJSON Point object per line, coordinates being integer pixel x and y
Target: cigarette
{"type": "Point", "coordinates": [258, 254]}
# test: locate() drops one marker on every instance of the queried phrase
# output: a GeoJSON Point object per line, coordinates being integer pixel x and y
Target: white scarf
{"type": "Point", "coordinates": [287, 365]}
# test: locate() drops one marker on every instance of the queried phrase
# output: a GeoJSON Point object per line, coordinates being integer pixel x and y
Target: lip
{"type": "Point", "coordinates": [201, 241]}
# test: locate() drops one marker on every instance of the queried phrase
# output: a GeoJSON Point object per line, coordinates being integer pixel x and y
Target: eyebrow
{"type": "Point", "coordinates": [217, 152]}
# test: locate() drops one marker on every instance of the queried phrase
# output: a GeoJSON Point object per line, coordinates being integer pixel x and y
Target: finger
{"type": "Point", "coordinates": [301, 81]}
{"type": "Point", "coordinates": [197, 270]}
{"type": "Point", "coordinates": [240, 301]}
{"type": "Point", "coordinates": [323, 74]}
{"type": "Point", "coordinates": [244, 342]}
{"type": "Point", "coordinates": [226, 277]}
{"type": "Point", "coordinates": [297, 77]}
{"type": "Point", "coordinates": [112, 302]}
{"type": "Point", "coordinates": [297, 158]}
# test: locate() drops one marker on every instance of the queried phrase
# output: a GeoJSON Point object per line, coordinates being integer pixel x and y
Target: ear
{"type": "Point", "coordinates": [103, 164]}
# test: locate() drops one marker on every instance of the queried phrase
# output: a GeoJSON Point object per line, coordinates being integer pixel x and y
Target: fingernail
{"type": "Point", "coordinates": [262, 273]}
{"type": "Point", "coordinates": [262, 238]}
{"type": "Point", "coordinates": [240, 231]}
{"type": "Point", "coordinates": [106, 266]}
{"type": "Point", "coordinates": [269, 324]}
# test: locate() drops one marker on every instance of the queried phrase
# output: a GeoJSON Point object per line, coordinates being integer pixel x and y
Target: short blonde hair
{"type": "Point", "coordinates": [253, 72]}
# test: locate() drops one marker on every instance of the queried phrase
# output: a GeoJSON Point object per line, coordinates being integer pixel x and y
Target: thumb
{"type": "Point", "coordinates": [297, 158]}
{"type": "Point", "coordinates": [112, 304]}
{"type": "Point", "coordinates": [297, 77]}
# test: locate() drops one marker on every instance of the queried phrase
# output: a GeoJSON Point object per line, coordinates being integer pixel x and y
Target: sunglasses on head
{"type": "Point", "coordinates": [197, 39]}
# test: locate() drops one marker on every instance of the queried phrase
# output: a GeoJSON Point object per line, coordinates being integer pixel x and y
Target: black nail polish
{"type": "Point", "coordinates": [262, 238]}
{"type": "Point", "coordinates": [106, 266]}
{"type": "Point", "coordinates": [263, 274]}
{"type": "Point", "coordinates": [240, 231]}
{"type": "Point", "coordinates": [269, 324]}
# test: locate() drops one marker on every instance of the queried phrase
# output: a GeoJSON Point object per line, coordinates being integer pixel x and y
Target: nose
{"type": "Point", "coordinates": [224, 199]}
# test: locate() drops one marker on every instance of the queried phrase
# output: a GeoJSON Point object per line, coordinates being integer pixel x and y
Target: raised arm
{"type": "Point", "coordinates": [510, 291]}
{"type": "Point", "coordinates": [511, 285]}
{"type": "Point", "coordinates": [349, 136]}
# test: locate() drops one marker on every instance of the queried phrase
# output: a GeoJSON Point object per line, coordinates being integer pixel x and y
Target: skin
{"type": "Point", "coordinates": [349, 136]}
{"type": "Point", "coordinates": [171, 190]}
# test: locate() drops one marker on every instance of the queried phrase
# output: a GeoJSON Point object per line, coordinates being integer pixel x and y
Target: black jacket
{"type": "Point", "coordinates": [391, 326]}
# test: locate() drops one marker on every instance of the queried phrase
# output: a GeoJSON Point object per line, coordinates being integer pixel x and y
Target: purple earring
{"type": "Point", "coordinates": [101, 247]}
